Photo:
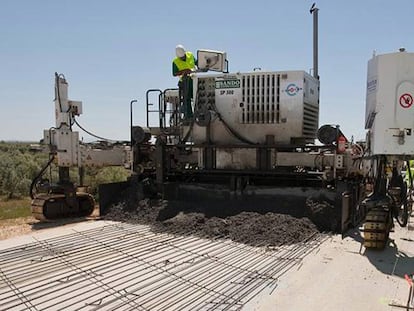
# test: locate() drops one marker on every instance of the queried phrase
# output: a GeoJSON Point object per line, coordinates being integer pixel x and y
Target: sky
{"type": "Point", "coordinates": [112, 52]}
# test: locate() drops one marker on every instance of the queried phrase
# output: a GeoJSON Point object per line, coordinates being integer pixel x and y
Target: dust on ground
{"type": "Point", "coordinates": [252, 228]}
{"type": "Point", "coordinates": [14, 227]}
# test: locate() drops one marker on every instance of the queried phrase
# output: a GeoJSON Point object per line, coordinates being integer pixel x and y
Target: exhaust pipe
{"type": "Point", "coordinates": [314, 11]}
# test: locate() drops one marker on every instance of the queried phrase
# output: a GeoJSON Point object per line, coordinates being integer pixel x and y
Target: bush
{"type": "Point", "coordinates": [19, 166]}
{"type": "Point", "coordinates": [17, 169]}
{"type": "Point", "coordinates": [96, 176]}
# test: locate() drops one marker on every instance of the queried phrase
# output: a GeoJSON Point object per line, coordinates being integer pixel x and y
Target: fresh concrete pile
{"type": "Point", "coordinates": [253, 228]}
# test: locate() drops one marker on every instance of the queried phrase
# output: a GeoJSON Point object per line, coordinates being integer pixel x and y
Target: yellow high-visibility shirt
{"type": "Point", "coordinates": [179, 64]}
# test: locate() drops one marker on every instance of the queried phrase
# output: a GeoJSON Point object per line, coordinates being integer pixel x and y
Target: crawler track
{"type": "Point", "coordinates": [54, 206]}
{"type": "Point", "coordinates": [128, 267]}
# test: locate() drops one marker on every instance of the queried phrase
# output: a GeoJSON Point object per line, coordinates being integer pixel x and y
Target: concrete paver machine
{"type": "Point", "coordinates": [250, 145]}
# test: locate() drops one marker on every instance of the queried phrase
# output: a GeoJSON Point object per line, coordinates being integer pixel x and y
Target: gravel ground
{"type": "Point", "coordinates": [10, 228]}
{"type": "Point", "coordinates": [14, 227]}
{"type": "Point", "coordinates": [267, 229]}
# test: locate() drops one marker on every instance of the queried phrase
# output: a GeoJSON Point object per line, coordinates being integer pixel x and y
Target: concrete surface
{"type": "Point", "coordinates": [343, 275]}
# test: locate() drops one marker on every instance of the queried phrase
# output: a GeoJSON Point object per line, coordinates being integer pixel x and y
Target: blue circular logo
{"type": "Point", "coordinates": [292, 89]}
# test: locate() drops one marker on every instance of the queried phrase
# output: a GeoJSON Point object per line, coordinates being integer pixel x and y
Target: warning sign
{"type": "Point", "coordinates": [406, 100]}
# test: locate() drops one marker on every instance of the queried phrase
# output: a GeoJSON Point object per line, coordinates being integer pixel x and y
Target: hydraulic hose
{"type": "Point", "coordinates": [228, 127]}
{"type": "Point", "coordinates": [34, 181]}
{"type": "Point", "coordinates": [233, 132]}
{"type": "Point", "coordinates": [57, 90]}
{"type": "Point", "coordinates": [90, 133]}
{"type": "Point", "coordinates": [410, 176]}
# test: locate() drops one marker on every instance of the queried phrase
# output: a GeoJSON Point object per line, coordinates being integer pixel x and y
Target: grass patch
{"type": "Point", "coordinates": [14, 208]}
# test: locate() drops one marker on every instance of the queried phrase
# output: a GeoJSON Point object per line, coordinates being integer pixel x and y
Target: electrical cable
{"type": "Point", "coordinates": [233, 132]}
{"type": "Point", "coordinates": [90, 133]}
{"type": "Point", "coordinates": [228, 128]}
{"type": "Point", "coordinates": [57, 78]}
{"type": "Point", "coordinates": [34, 181]}
{"type": "Point", "coordinates": [57, 82]}
{"type": "Point", "coordinates": [184, 140]}
{"type": "Point", "coordinates": [410, 176]}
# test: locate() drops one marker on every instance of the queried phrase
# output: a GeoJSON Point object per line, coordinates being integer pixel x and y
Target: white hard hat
{"type": "Point", "coordinates": [180, 51]}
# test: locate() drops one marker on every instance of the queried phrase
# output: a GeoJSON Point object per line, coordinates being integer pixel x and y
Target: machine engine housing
{"type": "Point", "coordinates": [283, 104]}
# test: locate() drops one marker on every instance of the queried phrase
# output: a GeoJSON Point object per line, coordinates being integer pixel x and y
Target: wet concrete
{"type": "Point", "coordinates": [256, 228]}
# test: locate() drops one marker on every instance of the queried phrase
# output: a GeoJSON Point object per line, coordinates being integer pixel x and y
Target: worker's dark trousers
{"type": "Point", "coordinates": [186, 94]}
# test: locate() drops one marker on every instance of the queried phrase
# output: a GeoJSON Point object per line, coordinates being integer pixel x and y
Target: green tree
{"type": "Point", "coordinates": [96, 176]}
{"type": "Point", "coordinates": [17, 169]}
{"type": "Point", "coordinates": [19, 166]}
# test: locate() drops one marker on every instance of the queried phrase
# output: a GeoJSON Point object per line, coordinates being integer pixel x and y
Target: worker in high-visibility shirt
{"type": "Point", "coordinates": [183, 65]}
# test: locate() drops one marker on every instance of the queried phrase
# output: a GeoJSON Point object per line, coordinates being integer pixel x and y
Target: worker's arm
{"type": "Point", "coordinates": [177, 72]}
{"type": "Point", "coordinates": [183, 72]}
{"type": "Point", "coordinates": [174, 69]}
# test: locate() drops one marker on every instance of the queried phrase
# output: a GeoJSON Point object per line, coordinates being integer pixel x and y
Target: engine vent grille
{"type": "Point", "coordinates": [261, 98]}
{"type": "Point", "coordinates": [310, 120]}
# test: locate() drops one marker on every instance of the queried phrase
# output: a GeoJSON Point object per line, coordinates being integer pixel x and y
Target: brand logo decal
{"type": "Point", "coordinates": [228, 84]}
{"type": "Point", "coordinates": [292, 89]}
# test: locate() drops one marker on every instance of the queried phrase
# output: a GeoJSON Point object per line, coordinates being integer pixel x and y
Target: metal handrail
{"type": "Point", "coordinates": [149, 104]}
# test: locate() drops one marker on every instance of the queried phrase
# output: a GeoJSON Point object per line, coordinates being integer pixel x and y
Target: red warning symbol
{"type": "Point", "coordinates": [406, 100]}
